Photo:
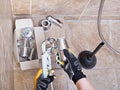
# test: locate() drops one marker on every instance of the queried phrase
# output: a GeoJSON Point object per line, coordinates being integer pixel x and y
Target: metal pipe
{"type": "Point", "coordinates": [24, 51]}
{"type": "Point", "coordinates": [31, 56]}
{"type": "Point", "coordinates": [62, 44]}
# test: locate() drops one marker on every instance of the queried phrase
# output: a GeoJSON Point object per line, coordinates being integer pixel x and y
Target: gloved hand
{"type": "Point", "coordinates": [42, 83]}
{"type": "Point", "coordinates": [72, 67]}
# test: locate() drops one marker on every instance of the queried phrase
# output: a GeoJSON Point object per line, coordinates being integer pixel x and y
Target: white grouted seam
{"type": "Point", "coordinates": [12, 5]}
{"type": "Point", "coordinates": [30, 8]}
{"type": "Point", "coordinates": [84, 8]}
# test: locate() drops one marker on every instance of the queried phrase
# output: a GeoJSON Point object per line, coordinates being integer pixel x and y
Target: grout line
{"type": "Point", "coordinates": [102, 15]}
{"type": "Point", "coordinates": [110, 33]}
{"type": "Point", "coordinates": [83, 21]}
{"type": "Point", "coordinates": [100, 68]}
{"type": "Point", "coordinates": [62, 16]}
{"type": "Point", "coordinates": [116, 77]}
{"type": "Point", "coordinates": [84, 9]}
{"type": "Point", "coordinates": [30, 8]}
{"type": "Point", "coordinates": [103, 21]}
{"type": "Point", "coordinates": [67, 84]}
{"type": "Point", "coordinates": [73, 15]}
{"type": "Point", "coordinates": [12, 5]}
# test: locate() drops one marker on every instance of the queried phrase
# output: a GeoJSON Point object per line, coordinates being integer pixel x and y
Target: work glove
{"type": "Point", "coordinates": [72, 67]}
{"type": "Point", "coordinates": [42, 83]}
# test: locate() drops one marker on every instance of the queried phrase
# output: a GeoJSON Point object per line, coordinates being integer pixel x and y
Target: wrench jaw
{"type": "Point", "coordinates": [46, 60]}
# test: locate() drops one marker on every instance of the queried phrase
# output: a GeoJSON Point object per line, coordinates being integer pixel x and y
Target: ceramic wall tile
{"type": "Point", "coordinates": [115, 35]}
{"type": "Point", "coordinates": [84, 34]}
{"type": "Point", "coordinates": [111, 8]}
{"type": "Point", "coordinates": [24, 80]}
{"type": "Point", "coordinates": [102, 79]}
{"type": "Point", "coordinates": [60, 83]}
{"type": "Point", "coordinates": [55, 7]}
{"type": "Point", "coordinates": [21, 6]}
{"type": "Point", "coordinates": [6, 46]}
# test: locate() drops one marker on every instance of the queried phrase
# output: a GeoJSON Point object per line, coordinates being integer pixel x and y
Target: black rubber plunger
{"type": "Point", "coordinates": [88, 59]}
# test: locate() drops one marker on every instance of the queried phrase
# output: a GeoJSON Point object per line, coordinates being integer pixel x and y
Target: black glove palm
{"type": "Point", "coordinates": [42, 83]}
{"type": "Point", "coordinates": [72, 66]}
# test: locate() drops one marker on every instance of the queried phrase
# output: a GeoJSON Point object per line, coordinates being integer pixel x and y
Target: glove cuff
{"type": "Point", "coordinates": [78, 76]}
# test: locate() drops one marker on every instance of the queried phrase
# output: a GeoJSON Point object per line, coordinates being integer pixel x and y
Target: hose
{"type": "Point", "coordinates": [99, 28]}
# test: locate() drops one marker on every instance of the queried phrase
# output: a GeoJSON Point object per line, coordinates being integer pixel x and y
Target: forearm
{"type": "Point", "coordinates": [84, 84]}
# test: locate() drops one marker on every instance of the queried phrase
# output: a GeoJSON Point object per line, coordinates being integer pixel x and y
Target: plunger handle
{"type": "Point", "coordinates": [97, 49]}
